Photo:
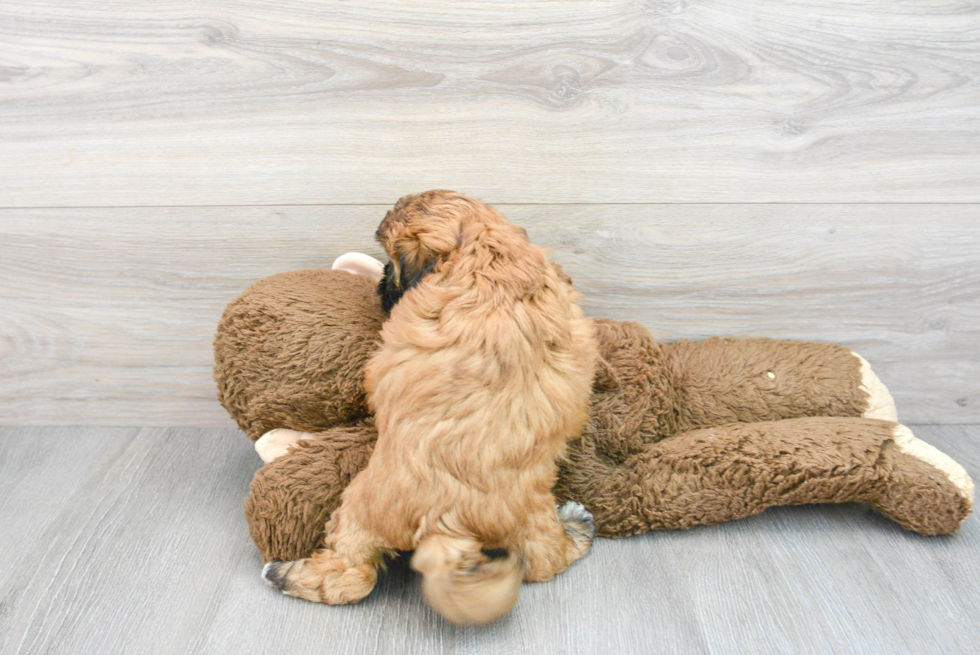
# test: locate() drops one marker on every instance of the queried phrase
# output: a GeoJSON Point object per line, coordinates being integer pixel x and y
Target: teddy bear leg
{"type": "Point", "coordinates": [293, 497]}
{"type": "Point", "coordinates": [925, 490]}
{"type": "Point", "coordinates": [276, 443]}
{"type": "Point", "coordinates": [733, 471]}
{"type": "Point", "coordinates": [557, 538]}
{"type": "Point", "coordinates": [719, 381]}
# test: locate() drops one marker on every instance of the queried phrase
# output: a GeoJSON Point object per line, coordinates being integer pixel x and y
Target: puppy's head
{"type": "Point", "coordinates": [420, 231]}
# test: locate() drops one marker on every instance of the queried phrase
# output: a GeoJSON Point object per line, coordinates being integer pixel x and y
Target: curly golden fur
{"type": "Point", "coordinates": [483, 376]}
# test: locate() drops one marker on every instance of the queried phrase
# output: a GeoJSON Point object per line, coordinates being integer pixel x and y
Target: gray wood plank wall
{"type": "Point", "coordinates": [808, 169]}
{"type": "Point", "coordinates": [259, 101]}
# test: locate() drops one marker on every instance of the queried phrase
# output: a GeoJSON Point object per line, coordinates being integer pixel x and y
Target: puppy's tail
{"type": "Point", "coordinates": [464, 583]}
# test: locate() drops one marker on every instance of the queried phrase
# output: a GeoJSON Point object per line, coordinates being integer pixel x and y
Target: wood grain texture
{"type": "Point", "coordinates": [134, 541]}
{"type": "Point", "coordinates": [107, 316]}
{"type": "Point", "coordinates": [262, 102]}
{"type": "Point", "coordinates": [131, 560]}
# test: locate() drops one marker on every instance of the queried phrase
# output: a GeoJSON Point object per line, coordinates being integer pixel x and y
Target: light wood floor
{"type": "Point", "coordinates": [121, 540]}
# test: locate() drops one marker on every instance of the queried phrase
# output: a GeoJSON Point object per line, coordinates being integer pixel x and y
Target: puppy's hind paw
{"type": "Point", "coordinates": [578, 523]}
{"type": "Point", "coordinates": [572, 513]}
{"type": "Point", "coordinates": [274, 573]}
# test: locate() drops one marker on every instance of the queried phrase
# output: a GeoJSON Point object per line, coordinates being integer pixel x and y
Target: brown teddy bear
{"type": "Point", "coordinates": [680, 435]}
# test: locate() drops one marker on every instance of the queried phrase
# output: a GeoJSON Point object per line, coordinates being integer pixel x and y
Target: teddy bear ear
{"type": "Point", "coordinates": [360, 264]}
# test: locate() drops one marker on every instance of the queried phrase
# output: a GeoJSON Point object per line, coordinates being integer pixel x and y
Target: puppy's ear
{"type": "Point", "coordinates": [410, 277]}
{"type": "Point", "coordinates": [422, 243]}
{"type": "Point", "coordinates": [423, 228]}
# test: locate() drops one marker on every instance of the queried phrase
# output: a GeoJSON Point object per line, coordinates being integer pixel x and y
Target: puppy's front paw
{"type": "Point", "coordinates": [578, 523]}
{"type": "Point", "coordinates": [322, 578]}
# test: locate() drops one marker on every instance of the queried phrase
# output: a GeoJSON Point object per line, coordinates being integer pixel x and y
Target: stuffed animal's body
{"type": "Point", "coordinates": [679, 435]}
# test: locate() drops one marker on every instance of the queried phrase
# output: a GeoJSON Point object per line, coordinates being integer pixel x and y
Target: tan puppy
{"type": "Point", "coordinates": [484, 374]}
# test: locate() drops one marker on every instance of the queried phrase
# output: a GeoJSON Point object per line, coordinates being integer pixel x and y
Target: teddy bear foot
{"type": "Point", "coordinates": [926, 491]}
{"type": "Point", "coordinates": [276, 443]}
{"type": "Point", "coordinates": [881, 405]}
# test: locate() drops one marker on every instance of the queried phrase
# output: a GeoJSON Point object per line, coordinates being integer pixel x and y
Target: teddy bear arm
{"type": "Point", "coordinates": [292, 497]}
{"type": "Point", "coordinates": [718, 474]}
{"type": "Point", "coordinates": [727, 380]}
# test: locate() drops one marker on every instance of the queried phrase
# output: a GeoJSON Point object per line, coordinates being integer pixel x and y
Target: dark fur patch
{"type": "Point", "coordinates": [411, 279]}
{"type": "Point", "coordinates": [391, 290]}
{"type": "Point", "coordinates": [495, 553]}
